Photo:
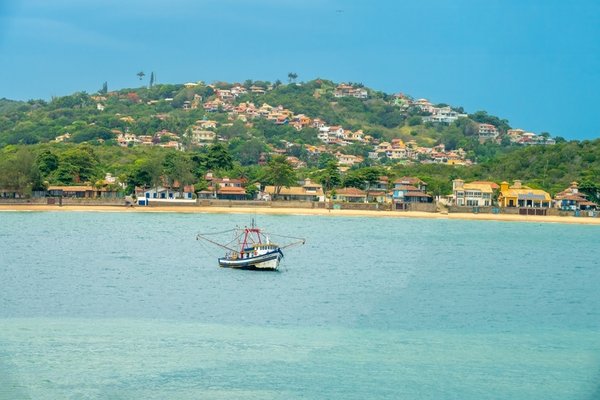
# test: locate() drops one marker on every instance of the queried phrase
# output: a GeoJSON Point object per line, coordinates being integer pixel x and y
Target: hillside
{"type": "Point", "coordinates": [310, 122]}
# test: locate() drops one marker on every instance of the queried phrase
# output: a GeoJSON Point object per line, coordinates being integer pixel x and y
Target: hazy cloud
{"type": "Point", "coordinates": [46, 29]}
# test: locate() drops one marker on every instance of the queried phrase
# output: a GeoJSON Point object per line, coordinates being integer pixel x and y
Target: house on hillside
{"type": "Point", "coordinates": [443, 115]}
{"type": "Point", "coordinates": [487, 132]}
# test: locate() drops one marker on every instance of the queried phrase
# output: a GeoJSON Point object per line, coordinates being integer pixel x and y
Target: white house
{"type": "Point", "coordinates": [475, 194]}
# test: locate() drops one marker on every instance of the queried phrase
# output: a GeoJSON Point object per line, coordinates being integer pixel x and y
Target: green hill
{"type": "Point", "coordinates": [89, 128]}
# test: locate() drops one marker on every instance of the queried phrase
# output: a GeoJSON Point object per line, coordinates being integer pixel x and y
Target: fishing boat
{"type": "Point", "coordinates": [254, 249]}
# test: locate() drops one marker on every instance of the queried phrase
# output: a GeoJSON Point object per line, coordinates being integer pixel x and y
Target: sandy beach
{"type": "Point", "coordinates": [302, 211]}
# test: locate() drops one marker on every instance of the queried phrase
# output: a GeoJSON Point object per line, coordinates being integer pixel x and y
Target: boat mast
{"type": "Point", "coordinates": [248, 234]}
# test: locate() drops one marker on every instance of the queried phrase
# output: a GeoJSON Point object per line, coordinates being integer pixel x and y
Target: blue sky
{"type": "Point", "coordinates": [535, 63]}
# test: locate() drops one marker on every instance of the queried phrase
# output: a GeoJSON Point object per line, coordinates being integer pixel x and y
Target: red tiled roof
{"type": "Point", "coordinates": [351, 192]}
{"type": "Point", "coordinates": [231, 190]}
{"type": "Point", "coordinates": [494, 185]}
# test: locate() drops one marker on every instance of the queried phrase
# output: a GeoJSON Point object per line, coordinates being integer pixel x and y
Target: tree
{"type": "Point", "coordinates": [292, 77]}
{"type": "Point", "coordinates": [77, 165]}
{"type": "Point", "coordinates": [151, 83]}
{"type": "Point", "coordinates": [178, 170]}
{"type": "Point", "coordinates": [20, 173]}
{"type": "Point", "coordinates": [141, 74]}
{"type": "Point", "coordinates": [325, 159]}
{"type": "Point", "coordinates": [146, 172]}
{"type": "Point", "coordinates": [47, 162]}
{"type": "Point", "coordinates": [371, 177]}
{"type": "Point", "coordinates": [414, 120]}
{"type": "Point", "coordinates": [330, 177]}
{"type": "Point", "coordinates": [104, 89]}
{"type": "Point", "coordinates": [590, 188]}
{"type": "Point", "coordinates": [280, 173]}
{"type": "Point", "coordinates": [247, 152]}
{"type": "Point", "coordinates": [251, 191]}
{"type": "Point", "coordinates": [218, 157]}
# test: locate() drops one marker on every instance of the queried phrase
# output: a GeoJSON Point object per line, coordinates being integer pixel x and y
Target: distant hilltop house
{"type": "Point", "coordinates": [201, 137]}
{"type": "Point", "coordinates": [444, 115]}
{"type": "Point", "coordinates": [62, 138]}
{"type": "Point", "coordinates": [344, 90]}
{"type": "Point", "coordinates": [487, 132]}
{"type": "Point", "coordinates": [348, 160]}
{"type": "Point", "coordinates": [521, 137]}
{"type": "Point", "coordinates": [423, 105]}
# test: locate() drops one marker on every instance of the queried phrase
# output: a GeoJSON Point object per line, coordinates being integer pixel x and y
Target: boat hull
{"type": "Point", "coordinates": [268, 262]}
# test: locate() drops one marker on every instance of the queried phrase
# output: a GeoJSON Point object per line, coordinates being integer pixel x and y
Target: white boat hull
{"type": "Point", "coordinates": [268, 261]}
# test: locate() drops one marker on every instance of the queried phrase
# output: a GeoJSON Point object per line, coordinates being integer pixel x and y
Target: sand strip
{"type": "Point", "coordinates": [305, 211]}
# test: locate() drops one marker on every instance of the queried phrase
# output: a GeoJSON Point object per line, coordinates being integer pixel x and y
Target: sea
{"type": "Point", "coordinates": [131, 306]}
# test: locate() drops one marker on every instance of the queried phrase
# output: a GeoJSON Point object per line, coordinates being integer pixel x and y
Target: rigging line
{"type": "Point", "coordinates": [301, 242]}
{"type": "Point", "coordinates": [283, 236]}
{"type": "Point", "coordinates": [200, 237]}
{"type": "Point", "coordinates": [216, 233]}
{"type": "Point", "coordinates": [233, 240]}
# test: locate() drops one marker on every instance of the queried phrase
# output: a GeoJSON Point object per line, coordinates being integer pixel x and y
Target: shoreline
{"type": "Point", "coordinates": [300, 211]}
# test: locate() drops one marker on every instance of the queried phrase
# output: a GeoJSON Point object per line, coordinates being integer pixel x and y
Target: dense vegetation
{"type": "Point", "coordinates": [30, 159]}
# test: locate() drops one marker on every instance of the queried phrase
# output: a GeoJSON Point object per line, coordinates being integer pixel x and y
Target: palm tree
{"type": "Point", "coordinates": [141, 74]}
{"type": "Point", "coordinates": [292, 77]}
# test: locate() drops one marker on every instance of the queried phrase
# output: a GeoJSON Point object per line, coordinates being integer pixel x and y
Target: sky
{"type": "Point", "coordinates": [534, 63]}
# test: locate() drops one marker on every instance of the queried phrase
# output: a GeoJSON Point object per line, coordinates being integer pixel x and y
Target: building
{"type": "Point", "coordinates": [408, 195]}
{"type": "Point", "coordinates": [350, 195]}
{"type": "Point", "coordinates": [309, 191]}
{"type": "Point", "coordinates": [411, 180]}
{"type": "Point", "coordinates": [572, 199]}
{"type": "Point", "coordinates": [487, 132]}
{"type": "Point", "coordinates": [443, 115]}
{"type": "Point", "coordinates": [165, 192]}
{"type": "Point", "coordinates": [522, 196]}
{"type": "Point", "coordinates": [472, 194]}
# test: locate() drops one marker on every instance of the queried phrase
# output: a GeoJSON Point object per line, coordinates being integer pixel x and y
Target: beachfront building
{"type": "Point", "coordinates": [309, 191]}
{"type": "Point", "coordinates": [519, 195]}
{"type": "Point", "coordinates": [350, 195]}
{"type": "Point", "coordinates": [472, 194]}
{"type": "Point", "coordinates": [410, 194]}
{"type": "Point", "coordinates": [82, 191]}
{"type": "Point", "coordinates": [165, 192]}
{"type": "Point", "coordinates": [411, 180]}
{"type": "Point", "coordinates": [573, 200]}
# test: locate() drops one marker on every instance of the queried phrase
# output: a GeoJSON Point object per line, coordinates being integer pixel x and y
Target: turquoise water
{"type": "Point", "coordinates": [131, 306]}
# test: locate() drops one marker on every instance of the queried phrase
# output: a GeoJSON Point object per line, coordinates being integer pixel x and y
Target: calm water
{"type": "Point", "coordinates": [131, 306]}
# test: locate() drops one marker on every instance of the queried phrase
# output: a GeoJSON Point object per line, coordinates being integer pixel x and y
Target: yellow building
{"type": "Point", "coordinates": [519, 195]}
